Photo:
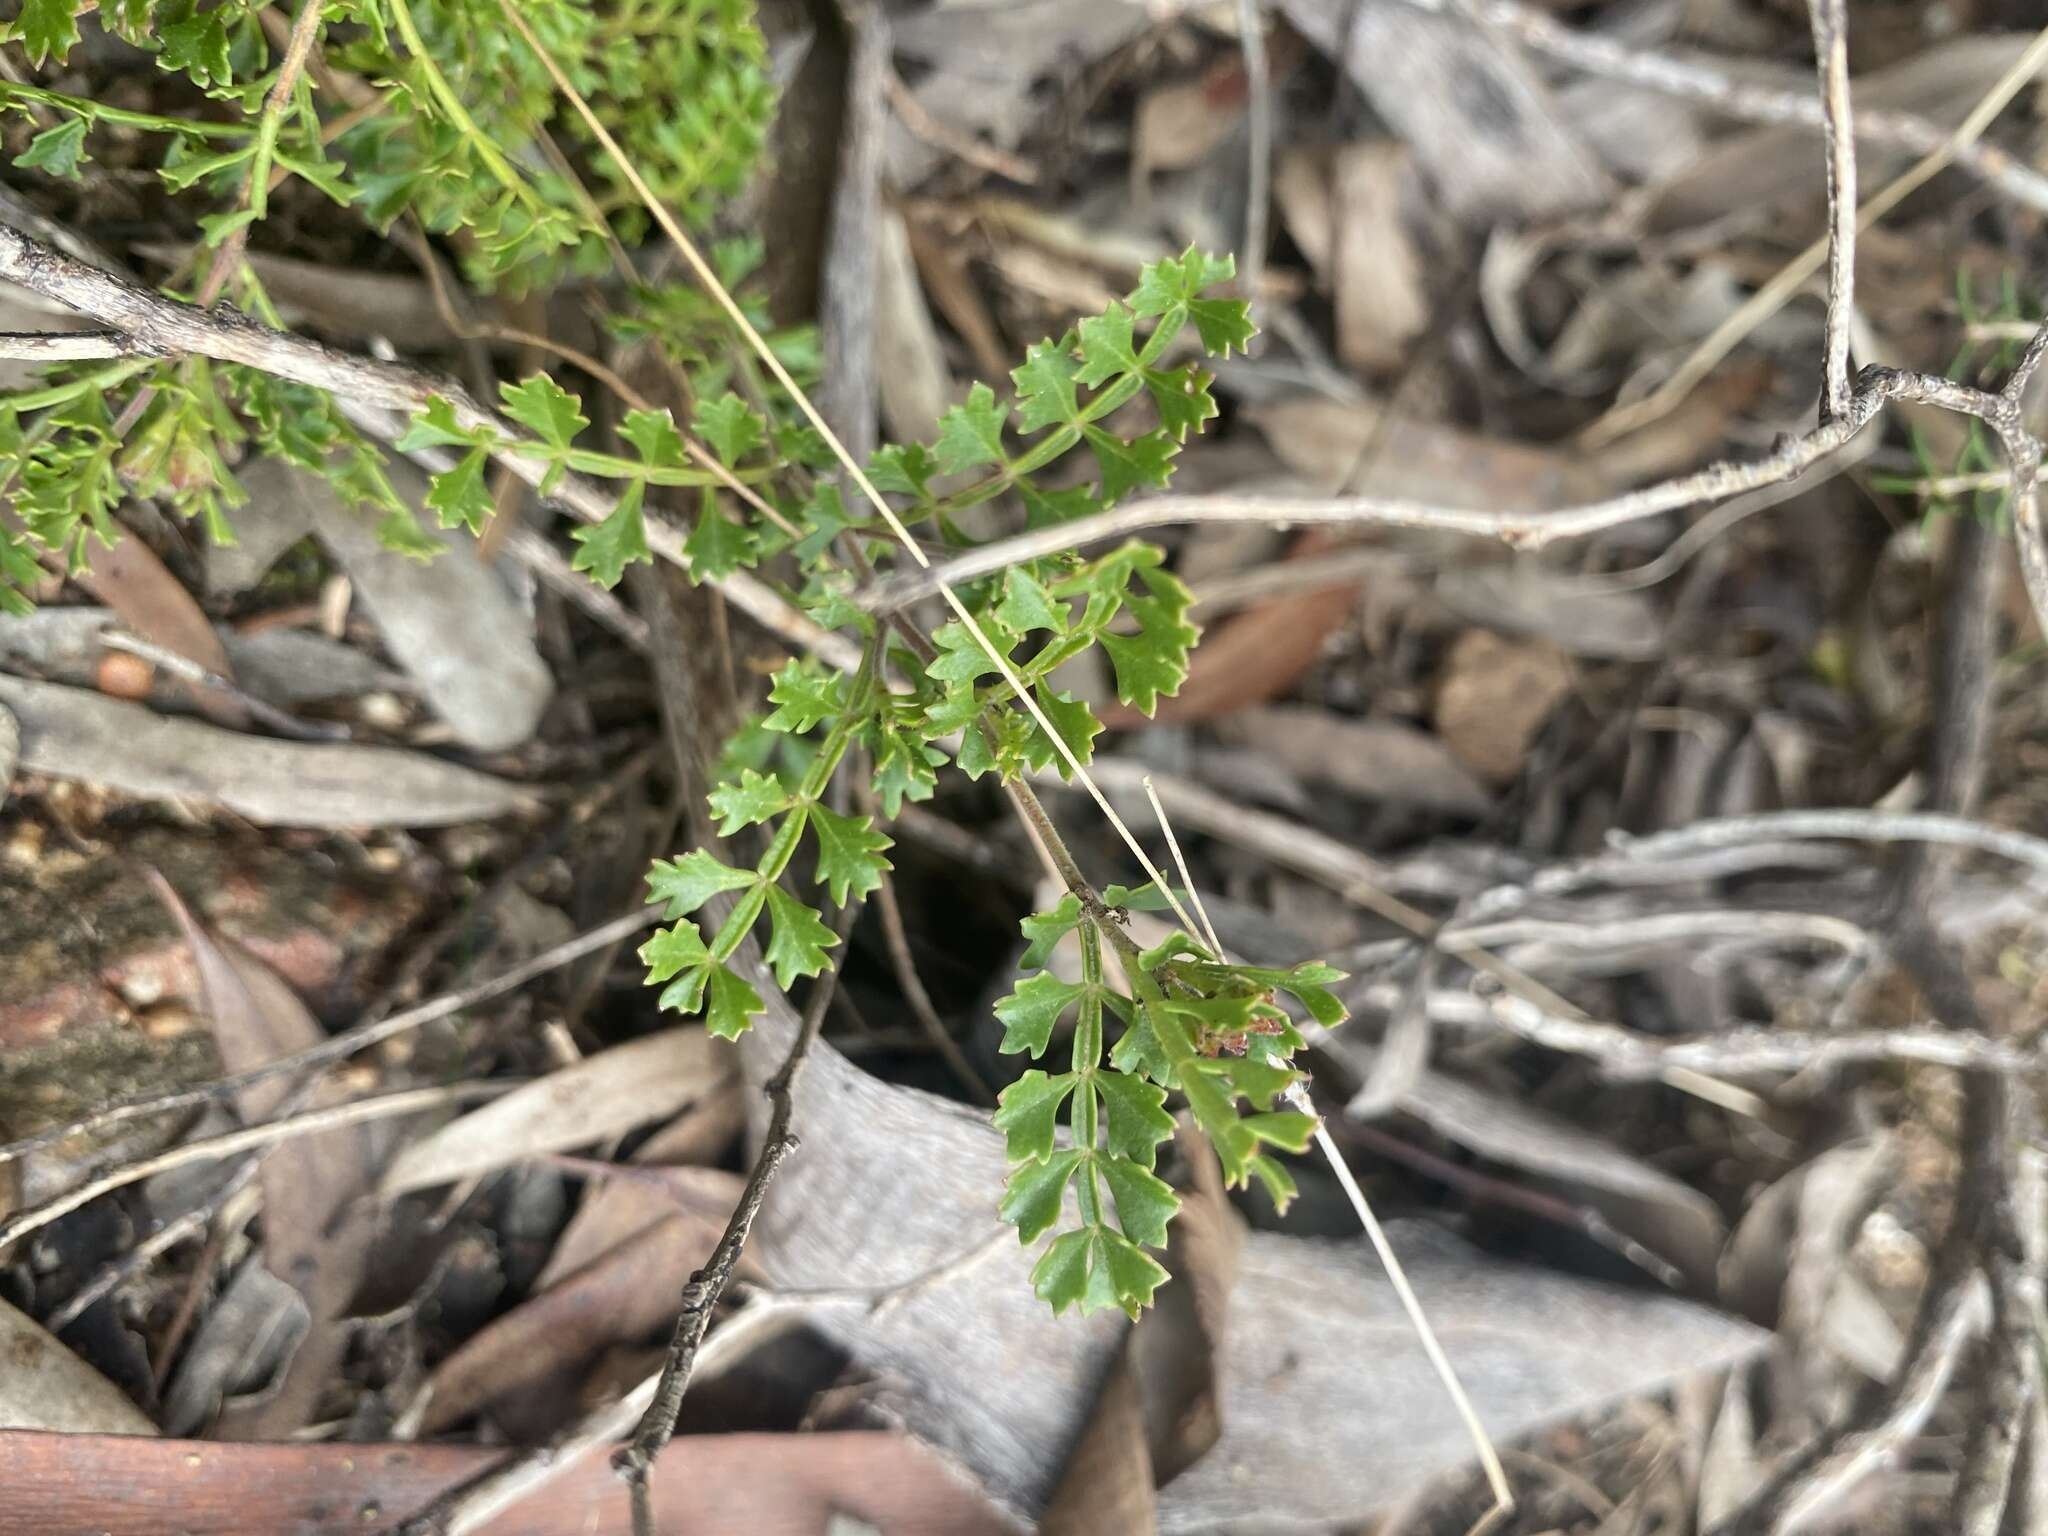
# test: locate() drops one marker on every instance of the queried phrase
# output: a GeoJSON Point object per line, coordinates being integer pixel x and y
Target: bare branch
{"type": "Point", "coordinates": [708, 1284]}
{"type": "Point", "coordinates": [379, 396]}
{"type": "Point", "coordinates": [409, 1101]}
{"type": "Point", "coordinates": [1874, 388]}
{"type": "Point", "coordinates": [1831, 50]}
{"type": "Point", "coordinates": [69, 346]}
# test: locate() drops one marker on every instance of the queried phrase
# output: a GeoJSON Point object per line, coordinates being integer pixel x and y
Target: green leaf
{"type": "Point", "coordinates": [677, 952]}
{"type": "Point", "coordinates": [804, 693]}
{"type": "Point", "coordinates": [545, 409]}
{"type": "Point", "coordinates": [1046, 929]}
{"type": "Point", "coordinates": [1027, 606]}
{"type": "Point", "coordinates": [605, 549]}
{"type": "Point", "coordinates": [1146, 460]}
{"type": "Point", "coordinates": [1107, 349]}
{"type": "Point", "coordinates": [459, 495]}
{"type": "Point", "coordinates": [1096, 1268]}
{"type": "Point", "coordinates": [1183, 398]}
{"type": "Point", "coordinates": [850, 862]}
{"type": "Point", "coordinates": [1145, 1203]}
{"type": "Point", "coordinates": [436, 427]}
{"type": "Point", "coordinates": [904, 768]}
{"type": "Point", "coordinates": [754, 798]}
{"type": "Point", "coordinates": [730, 426]}
{"type": "Point", "coordinates": [1027, 1113]}
{"type": "Point", "coordinates": [1031, 1011]}
{"type": "Point", "coordinates": [825, 515]}
{"type": "Point", "coordinates": [687, 883]}
{"type": "Point", "coordinates": [1154, 661]}
{"type": "Point", "coordinates": [1272, 1173]}
{"type": "Point", "coordinates": [654, 437]}
{"type": "Point", "coordinates": [1045, 386]}
{"type": "Point", "coordinates": [59, 150]}
{"type": "Point", "coordinates": [971, 433]}
{"type": "Point", "coordinates": [47, 29]}
{"type": "Point", "coordinates": [718, 546]}
{"type": "Point", "coordinates": [733, 1005]}
{"type": "Point", "coordinates": [1138, 1121]}
{"type": "Point", "coordinates": [799, 938]}
{"type": "Point", "coordinates": [401, 533]}
{"type": "Point", "coordinates": [1287, 1129]}
{"type": "Point", "coordinates": [1077, 726]}
{"type": "Point", "coordinates": [1171, 290]}
{"type": "Point", "coordinates": [904, 470]}
{"type": "Point", "coordinates": [1036, 1191]}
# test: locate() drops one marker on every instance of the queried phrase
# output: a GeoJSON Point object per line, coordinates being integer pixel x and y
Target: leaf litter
{"type": "Point", "coordinates": [1481, 252]}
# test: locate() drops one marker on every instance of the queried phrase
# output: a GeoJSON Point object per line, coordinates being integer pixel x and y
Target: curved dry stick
{"type": "Point", "coordinates": [1874, 388]}
{"type": "Point", "coordinates": [154, 325]}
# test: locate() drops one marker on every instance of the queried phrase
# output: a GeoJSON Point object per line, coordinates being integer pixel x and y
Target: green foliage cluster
{"type": "Point", "coordinates": [455, 126]}
{"type": "Point", "coordinates": [458, 129]}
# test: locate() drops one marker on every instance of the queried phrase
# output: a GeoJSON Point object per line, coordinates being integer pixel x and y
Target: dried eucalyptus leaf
{"type": "Point", "coordinates": [71, 733]}
{"type": "Point", "coordinates": [600, 1096]}
{"type": "Point", "coordinates": [45, 1386]}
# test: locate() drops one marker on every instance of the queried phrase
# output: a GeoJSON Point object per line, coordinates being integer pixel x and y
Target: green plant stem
{"type": "Point", "coordinates": [1087, 1062]}
{"type": "Point", "coordinates": [458, 115]}
{"type": "Point", "coordinates": [97, 112]}
{"type": "Point", "coordinates": [782, 848]}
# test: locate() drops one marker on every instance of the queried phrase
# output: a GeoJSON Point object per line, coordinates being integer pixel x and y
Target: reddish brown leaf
{"type": "Point", "coordinates": [129, 578]}
{"type": "Point", "coordinates": [621, 1297]}
{"type": "Point", "coordinates": [709, 1485]}
{"type": "Point", "coordinates": [316, 1229]}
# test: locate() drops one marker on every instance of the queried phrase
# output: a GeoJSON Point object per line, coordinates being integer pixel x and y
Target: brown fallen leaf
{"type": "Point", "coordinates": [621, 1297]}
{"type": "Point", "coordinates": [703, 1485]}
{"type": "Point", "coordinates": [1383, 760]}
{"type": "Point", "coordinates": [615, 1209]}
{"type": "Point", "coordinates": [1378, 276]}
{"type": "Point", "coordinates": [129, 578]}
{"type": "Point", "coordinates": [45, 1386]}
{"type": "Point", "coordinates": [72, 733]}
{"type": "Point", "coordinates": [317, 1230]}
{"type": "Point", "coordinates": [602, 1095]}
{"type": "Point", "coordinates": [1493, 696]}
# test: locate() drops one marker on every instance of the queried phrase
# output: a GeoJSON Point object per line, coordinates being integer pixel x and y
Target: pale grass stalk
{"type": "Point", "coordinates": [1297, 1095]}
{"type": "Point", "coordinates": [687, 249]}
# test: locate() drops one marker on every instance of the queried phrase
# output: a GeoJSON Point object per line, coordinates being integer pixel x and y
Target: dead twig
{"type": "Point", "coordinates": [407, 1101]}
{"type": "Point", "coordinates": [342, 1045]}
{"type": "Point", "coordinates": [379, 396]}
{"type": "Point", "coordinates": [708, 1284]}
{"type": "Point", "coordinates": [1838, 139]}
{"type": "Point", "coordinates": [1874, 388]}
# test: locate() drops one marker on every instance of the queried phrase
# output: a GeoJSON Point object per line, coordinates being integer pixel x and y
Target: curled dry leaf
{"type": "Point", "coordinates": [448, 622]}
{"type": "Point", "coordinates": [69, 733]}
{"type": "Point", "coordinates": [1493, 697]}
{"type": "Point", "coordinates": [1670, 1217]}
{"type": "Point", "coordinates": [1514, 161]}
{"type": "Point", "coordinates": [1525, 597]}
{"type": "Point", "coordinates": [129, 578]}
{"type": "Point", "coordinates": [600, 1096]}
{"type": "Point", "coordinates": [1379, 760]}
{"type": "Point", "coordinates": [619, 1298]}
{"type": "Point", "coordinates": [317, 1231]}
{"type": "Point", "coordinates": [903, 1192]}
{"type": "Point", "coordinates": [45, 1386]}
